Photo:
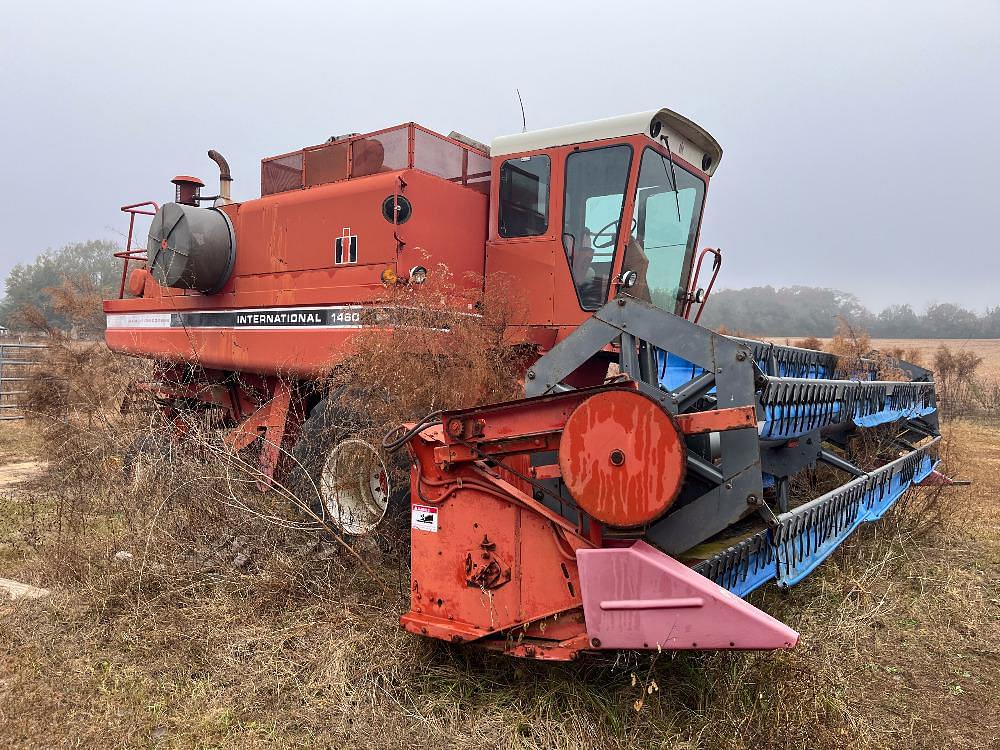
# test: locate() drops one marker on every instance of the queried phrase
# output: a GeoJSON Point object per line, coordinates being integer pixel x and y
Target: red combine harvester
{"type": "Point", "coordinates": [640, 489]}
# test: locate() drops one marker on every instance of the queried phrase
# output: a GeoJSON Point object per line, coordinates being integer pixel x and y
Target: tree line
{"type": "Point", "coordinates": [814, 311]}
{"type": "Point", "coordinates": [61, 286]}
{"type": "Point", "coordinates": [62, 289]}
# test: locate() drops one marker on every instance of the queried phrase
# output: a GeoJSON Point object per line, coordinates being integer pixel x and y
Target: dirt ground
{"type": "Point", "coordinates": [900, 646]}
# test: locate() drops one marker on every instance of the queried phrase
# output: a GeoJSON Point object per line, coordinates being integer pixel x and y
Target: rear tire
{"type": "Point", "coordinates": [149, 458]}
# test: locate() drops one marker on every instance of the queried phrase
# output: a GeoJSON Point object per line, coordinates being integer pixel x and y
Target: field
{"type": "Point", "coordinates": [987, 349]}
{"type": "Point", "coordinates": [155, 634]}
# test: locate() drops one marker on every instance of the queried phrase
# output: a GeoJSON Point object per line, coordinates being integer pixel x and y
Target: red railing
{"type": "Point", "coordinates": [408, 146]}
{"type": "Point", "coordinates": [692, 295]}
{"type": "Point", "coordinates": [130, 253]}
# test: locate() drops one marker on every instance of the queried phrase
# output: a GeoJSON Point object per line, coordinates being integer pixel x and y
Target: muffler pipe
{"type": "Point", "coordinates": [225, 178]}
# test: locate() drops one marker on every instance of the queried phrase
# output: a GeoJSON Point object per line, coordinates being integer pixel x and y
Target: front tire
{"type": "Point", "coordinates": [342, 478]}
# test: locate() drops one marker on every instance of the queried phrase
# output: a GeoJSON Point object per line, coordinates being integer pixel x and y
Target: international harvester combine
{"type": "Point", "coordinates": [640, 489]}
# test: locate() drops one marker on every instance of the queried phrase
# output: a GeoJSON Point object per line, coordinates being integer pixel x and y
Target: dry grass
{"type": "Point", "coordinates": [966, 371]}
{"type": "Point", "coordinates": [179, 647]}
{"type": "Point", "coordinates": [186, 614]}
{"type": "Point", "coordinates": [925, 349]}
{"type": "Point", "coordinates": [415, 369]}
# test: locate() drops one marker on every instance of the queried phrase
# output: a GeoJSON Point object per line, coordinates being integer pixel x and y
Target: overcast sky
{"type": "Point", "coordinates": [862, 139]}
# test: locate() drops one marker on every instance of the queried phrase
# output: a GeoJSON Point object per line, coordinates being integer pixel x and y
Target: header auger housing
{"type": "Point", "coordinates": [641, 487]}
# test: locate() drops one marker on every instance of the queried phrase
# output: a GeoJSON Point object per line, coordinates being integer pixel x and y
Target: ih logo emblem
{"type": "Point", "coordinates": [346, 248]}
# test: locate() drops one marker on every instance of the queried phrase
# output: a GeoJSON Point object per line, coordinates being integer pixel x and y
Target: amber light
{"type": "Point", "coordinates": [389, 277]}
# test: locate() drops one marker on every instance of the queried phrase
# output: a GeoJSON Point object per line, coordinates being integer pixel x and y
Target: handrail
{"type": "Point", "coordinates": [130, 253]}
{"type": "Point", "coordinates": [693, 288]}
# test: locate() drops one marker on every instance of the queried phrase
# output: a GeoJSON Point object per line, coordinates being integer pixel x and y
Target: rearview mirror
{"type": "Point", "coordinates": [627, 279]}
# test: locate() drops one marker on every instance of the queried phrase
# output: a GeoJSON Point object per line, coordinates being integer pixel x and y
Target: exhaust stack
{"type": "Point", "coordinates": [225, 178]}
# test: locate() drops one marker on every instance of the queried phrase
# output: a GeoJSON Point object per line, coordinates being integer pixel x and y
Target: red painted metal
{"type": "Point", "coordinates": [497, 559]}
{"type": "Point", "coordinates": [188, 189]}
{"type": "Point", "coordinates": [717, 420]}
{"type": "Point", "coordinates": [137, 281]}
{"type": "Point", "coordinates": [269, 423]}
{"type": "Point", "coordinates": [490, 427]}
{"type": "Point", "coordinates": [128, 254]}
{"type": "Point", "coordinates": [285, 256]}
{"type": "Point", "coordinates": [622, 458]}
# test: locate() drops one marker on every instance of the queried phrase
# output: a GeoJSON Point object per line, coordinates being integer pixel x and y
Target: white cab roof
{"type": "Point", "coordinates": [686, 139]}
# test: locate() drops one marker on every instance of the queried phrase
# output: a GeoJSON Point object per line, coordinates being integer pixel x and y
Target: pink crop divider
{"type": "Point", "coordinates": [639, 598]}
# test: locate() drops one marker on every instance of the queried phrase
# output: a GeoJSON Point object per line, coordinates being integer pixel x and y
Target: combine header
{"type": "Point", "coordinates": [641, 488]}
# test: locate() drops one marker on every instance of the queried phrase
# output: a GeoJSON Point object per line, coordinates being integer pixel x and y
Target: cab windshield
{"type": "Point", "coordinates": [664, 229]}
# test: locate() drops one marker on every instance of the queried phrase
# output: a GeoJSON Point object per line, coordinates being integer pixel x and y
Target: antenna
{"type": "Point", "coordinates": [524, 121]}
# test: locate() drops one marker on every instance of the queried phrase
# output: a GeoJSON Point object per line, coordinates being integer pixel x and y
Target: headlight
{"type": "Point", "coordinates": [418, 275]}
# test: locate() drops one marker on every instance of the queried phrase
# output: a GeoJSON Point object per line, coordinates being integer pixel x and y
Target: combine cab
{"type": "Point", "coordinates": [641, 488]}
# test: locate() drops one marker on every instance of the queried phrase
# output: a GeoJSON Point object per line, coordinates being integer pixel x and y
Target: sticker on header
{"type": "Point", "coordinates": [424, 518]}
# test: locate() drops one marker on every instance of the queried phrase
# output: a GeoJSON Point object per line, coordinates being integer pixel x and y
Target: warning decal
{"type": "Point", "coordinates": [424, 517]}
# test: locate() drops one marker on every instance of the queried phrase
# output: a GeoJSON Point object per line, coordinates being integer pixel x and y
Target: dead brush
{"type": "Point", "coordinates": [868, 450]}
{"type": "Point", "coordinates": [437, 355]}
{"type": "Point", "coordinates": [118, 481]}
{"type": "Point", "coordinates": [810, 342]}
{"type": "Point", "coordinates": [195, 610]}
{"type": "Point", "coordinates": [988, 396]}
{"type": "Point", "coordinates": [912, 355]}
{"type": "Point", "coordinates": [956, 378]}
{"type": "Point", "coordinates": [856, 359]}
{"type": "Point", "coordinates": [140, 524]}
{"type": "Point", "coordinates": [201, 512]}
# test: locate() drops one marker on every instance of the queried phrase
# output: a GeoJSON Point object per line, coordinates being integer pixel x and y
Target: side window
{"type": "Point", "coordinates": [592, 217]}
{"type": "Point", "coordinates": [524, 196]}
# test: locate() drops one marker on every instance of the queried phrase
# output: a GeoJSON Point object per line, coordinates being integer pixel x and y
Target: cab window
{"type": "Point", "coordinates": [664, 230]}
{"type": "Point", "coordinates": [524, 196]}
{"type": "Point", "coordinates": [592, 214]}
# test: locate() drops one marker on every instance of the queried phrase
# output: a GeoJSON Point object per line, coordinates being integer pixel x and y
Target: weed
{"type": "Point", "coordinates": [192, 610]}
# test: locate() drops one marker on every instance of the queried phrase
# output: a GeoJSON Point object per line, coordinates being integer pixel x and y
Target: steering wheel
{"type": "Point", "coordinates": [611, 234]}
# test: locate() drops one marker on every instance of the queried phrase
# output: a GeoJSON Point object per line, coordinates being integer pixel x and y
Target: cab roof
{"type": "Point", "coordinates": [687, 139]}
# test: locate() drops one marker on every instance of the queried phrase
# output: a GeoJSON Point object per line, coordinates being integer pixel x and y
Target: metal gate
{"type": "Point", "coordinates": [16, 362]}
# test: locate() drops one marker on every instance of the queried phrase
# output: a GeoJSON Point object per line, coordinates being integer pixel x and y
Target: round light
{"type": "Point", "coordinates": [628, 279]}
{"type": "Point", "coordinates": [389, 277]}
{"type": "Point", "coordinates": [418, 275]}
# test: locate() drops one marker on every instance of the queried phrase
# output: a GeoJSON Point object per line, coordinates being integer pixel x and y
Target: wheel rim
{"type": "Point", "coordinates": [354, 487]}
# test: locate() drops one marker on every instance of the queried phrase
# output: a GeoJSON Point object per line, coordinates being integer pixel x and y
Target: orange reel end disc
{"type": "Point", "coordinates": [622, 458]}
